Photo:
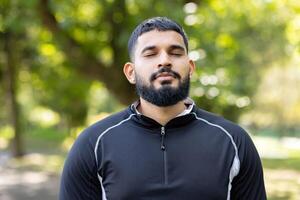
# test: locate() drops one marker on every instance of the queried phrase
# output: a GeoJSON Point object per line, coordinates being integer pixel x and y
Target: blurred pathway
{"type": "Point", "coordinates": [26, 184]}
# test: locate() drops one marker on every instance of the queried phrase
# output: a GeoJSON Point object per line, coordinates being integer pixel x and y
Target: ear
{"type": "Point", "coordinates": [192, 67]}
{"type": "Point", "coordinates": [128, 70]}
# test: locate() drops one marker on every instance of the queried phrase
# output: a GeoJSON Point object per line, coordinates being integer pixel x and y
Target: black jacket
{"type": "Point", "coordinates": [195, 156]}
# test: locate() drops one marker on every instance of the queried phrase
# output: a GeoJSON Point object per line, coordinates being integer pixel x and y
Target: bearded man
{"type": "Point", "coordinates": [163, 146]}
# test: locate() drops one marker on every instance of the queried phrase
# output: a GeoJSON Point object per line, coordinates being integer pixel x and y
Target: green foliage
{"type": "Point", "coordinates": [63, 91]}
{"type": "Point", "coordinates": [234, 47]}
{"type": "Point", "coordinates": [50, 135]}
{"type": "Point", "coordinates": [231, 40]}
{"type": "Point", "coordinates": [291, 163]}
{"type": "Point", "coordinates": [66, 45]}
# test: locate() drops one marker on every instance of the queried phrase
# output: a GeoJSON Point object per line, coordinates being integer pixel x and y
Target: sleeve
{"type": "Point", "coordinates": [249, 183]}
{"type": "Point", "coordinates": [79, 178]}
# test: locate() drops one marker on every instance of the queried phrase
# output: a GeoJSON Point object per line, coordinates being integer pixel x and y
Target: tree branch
{"type": "Point", "coordinates": [86, 64]}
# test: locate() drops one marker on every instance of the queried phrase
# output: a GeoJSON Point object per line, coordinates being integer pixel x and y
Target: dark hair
{"type": "Point", "coordinates": [155, 23]}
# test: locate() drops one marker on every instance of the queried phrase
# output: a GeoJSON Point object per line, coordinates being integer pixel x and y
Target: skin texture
{"type": "Point", "coordinates": [154, 50]}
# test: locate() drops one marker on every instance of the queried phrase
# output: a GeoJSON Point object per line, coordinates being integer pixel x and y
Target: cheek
{"type": "Point", "coordinates": [142, 69]}
{"type": "Point", "coordinates": [142, 75]}
{"type": "Point", "coordinates": [182, 68]}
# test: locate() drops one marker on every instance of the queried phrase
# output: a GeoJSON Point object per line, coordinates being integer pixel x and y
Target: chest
{"type": "Point", "coordinates": [191, 166]}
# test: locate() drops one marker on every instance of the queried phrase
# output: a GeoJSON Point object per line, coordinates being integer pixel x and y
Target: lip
{"type": "Point", "coordinates": [165, 75]}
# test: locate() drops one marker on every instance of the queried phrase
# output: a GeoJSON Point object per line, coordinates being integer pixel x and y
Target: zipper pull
{"type": "Point", "coordinates": [162, 133]}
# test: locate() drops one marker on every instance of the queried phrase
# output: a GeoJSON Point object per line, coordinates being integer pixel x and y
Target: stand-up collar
{"type": "Point", "coordinates": [180, 120]}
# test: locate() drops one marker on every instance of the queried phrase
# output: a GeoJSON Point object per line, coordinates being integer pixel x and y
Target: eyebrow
{"type": "Point", "coordinates": [148, 48]}
{"type": "Point", "coordinates": [172, 47]}
{"type": "Point", "coordinates": [175, 46]}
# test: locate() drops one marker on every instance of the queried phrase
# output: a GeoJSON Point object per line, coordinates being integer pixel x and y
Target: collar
{"type": "Point", "coordinates": [180, 120]}
{"type": "Point", "coordinates": [188, 102]}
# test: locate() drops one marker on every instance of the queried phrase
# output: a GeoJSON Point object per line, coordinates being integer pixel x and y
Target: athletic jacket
{"type": "Point", "coordinates": [128, 156]}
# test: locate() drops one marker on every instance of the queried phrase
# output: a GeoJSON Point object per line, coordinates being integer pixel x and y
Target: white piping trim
{"type": "Point", "coordinates": [102, 188]}
{"type": "Point", "coordinates": [101, 135]}
{"type": "Point", "coordinates": [96, 148]}
{"type": "Point", "coordinates": [235, 167]}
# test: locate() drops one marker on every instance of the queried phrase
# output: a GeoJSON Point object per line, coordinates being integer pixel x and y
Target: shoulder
{"type": "Point", "coordinates": [86, 143]}
{"type": "Point", "coordinates": [220, 122]}
{"type": "Point", "coordinates": [238, 135]}
{"type": "Point", "coordinates": [92, 132]}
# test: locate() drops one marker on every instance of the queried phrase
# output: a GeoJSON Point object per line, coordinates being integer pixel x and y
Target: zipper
{"type": "Point", "coordinates": [163, 148]}
{"type": "Point", "coordinates": [162, 133]}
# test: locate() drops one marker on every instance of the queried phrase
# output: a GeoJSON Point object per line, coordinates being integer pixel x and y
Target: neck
{"type": "Point", "coordinates": [160, 114]}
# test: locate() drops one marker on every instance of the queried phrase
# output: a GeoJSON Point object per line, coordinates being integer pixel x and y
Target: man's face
{"type": "Point", "coordinates": [161, 67]}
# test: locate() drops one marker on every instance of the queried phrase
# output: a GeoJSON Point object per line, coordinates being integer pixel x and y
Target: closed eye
{"type": "Point", "coordinates": [149, 51]}
{"type": "Point", "coordinates": [149, 54]}
{"type": "Point", "coordinates": [176, 50]}
{"type": "Point", "coordinates": [176, 54]}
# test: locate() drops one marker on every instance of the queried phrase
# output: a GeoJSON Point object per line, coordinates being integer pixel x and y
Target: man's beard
{"type": "Point", "coordinates": [166, 95]}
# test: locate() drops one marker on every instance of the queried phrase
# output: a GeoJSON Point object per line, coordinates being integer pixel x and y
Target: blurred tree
{"type": "Point", "coordinates": [230, 40]}
{"type": "Point", "coordinates": [10, 36]}
{"type": "Point", "coordinates": [279, 107]}
{"type": "Point", "coordinates": [82, 43]}
{"type": "Point", "coordinates": [43, 67]}
{"type": "Point", "coordinates": [10, 74]}
{"type": "Point", "coordinates": [234, 43]}
{"type": "Point", "coordinates": [64, 46]}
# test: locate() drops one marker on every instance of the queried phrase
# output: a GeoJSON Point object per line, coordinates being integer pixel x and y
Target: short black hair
{"type": "Point", "coordinates": [155, 23]}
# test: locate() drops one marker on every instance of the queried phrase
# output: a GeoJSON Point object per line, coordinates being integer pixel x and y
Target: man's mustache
{"type": "Point", "coordinates": [164, 70]}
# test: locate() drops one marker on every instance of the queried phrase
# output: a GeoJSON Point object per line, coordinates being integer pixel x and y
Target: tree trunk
{"type": "Point", "coordinates": [86, 64]}
{"type": "Point", "coordinates": [10, 75]}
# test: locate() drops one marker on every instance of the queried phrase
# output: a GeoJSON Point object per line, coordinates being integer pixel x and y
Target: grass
{"type": "Point", "coordinates": [282, 183]}
{"type": "Point", "coordinates": [43, 147]}
{"type": "Point", "coordinates": [281, 163]}
{"type": "Point", "coordinates": [45, 141]}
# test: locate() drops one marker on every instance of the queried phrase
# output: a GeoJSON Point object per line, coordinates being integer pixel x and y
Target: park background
{"type": "Point", "coordinates": [61, 70]}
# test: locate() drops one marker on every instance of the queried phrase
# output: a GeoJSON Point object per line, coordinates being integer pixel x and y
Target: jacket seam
{"type": "Point", "coordinates": [96, 149]}
{"type": "Point", "coordinates": [235, 167]}
{"type": "Point", "coordinates": [106, 131]}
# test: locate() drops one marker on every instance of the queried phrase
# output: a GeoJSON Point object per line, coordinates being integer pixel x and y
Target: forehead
{"type": "Point", "coordinates": [159, 39]}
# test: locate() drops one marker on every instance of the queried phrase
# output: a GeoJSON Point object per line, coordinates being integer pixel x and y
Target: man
{"type": "Point", "coordinates": [162, 147]}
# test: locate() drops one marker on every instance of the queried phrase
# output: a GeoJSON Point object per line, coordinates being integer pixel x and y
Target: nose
{"type": "Point", "coordinates": [164, 60]}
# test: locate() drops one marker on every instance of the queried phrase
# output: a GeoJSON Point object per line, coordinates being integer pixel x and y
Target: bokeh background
{"type": "Point", "coordinates": [61, 70]}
